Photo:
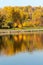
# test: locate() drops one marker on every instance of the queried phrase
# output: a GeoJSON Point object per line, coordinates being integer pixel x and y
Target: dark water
{"type": "Point", "coordinates": [21, 49]}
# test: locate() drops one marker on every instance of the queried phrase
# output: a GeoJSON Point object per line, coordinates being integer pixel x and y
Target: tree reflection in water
{"type": "Point", "coordinates": [12, 44]}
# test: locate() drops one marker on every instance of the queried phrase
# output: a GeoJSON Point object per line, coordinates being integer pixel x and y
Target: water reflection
{"type": "Point", "coordinates": [12, 44]}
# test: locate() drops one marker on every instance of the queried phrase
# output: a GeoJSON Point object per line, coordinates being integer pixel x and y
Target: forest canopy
{"type": "Point", "coordinates": [21, 17]}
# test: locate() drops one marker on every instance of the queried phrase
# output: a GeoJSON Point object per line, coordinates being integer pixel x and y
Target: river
{"type": "Point", "coordinates": [21, 49]}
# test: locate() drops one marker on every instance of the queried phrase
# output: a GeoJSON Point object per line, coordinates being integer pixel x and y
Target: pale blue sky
{"type": "Point", "coordinates": [21, 2]}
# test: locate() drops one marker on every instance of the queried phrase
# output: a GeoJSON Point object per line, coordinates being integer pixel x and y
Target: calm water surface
{"type": "Point", "coordinates": [21, 49]}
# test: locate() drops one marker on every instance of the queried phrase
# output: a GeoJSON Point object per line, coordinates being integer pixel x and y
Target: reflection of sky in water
{"type": "Point", "coordinates": [33, 58]}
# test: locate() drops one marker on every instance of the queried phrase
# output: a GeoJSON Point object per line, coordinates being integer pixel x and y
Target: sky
{"type": "Point", "coordinates": [21, 3]}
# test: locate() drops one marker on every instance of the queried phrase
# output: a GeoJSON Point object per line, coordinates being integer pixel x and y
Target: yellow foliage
{"type": "Point", "coordinates": [14, 24]}
{"type": "Point", "coordinates": [19, 26]}
{"type": "Point", "coordinates": [24, 23]}
{"type": "Point", "coordinates": [36, 14]}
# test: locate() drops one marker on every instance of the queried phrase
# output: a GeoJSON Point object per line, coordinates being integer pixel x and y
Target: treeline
{"type": "Point", "coordinates": [20, 17]}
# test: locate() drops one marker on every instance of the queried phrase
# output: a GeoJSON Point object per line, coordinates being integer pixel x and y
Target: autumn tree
{"type": "Point", "coordinates": [1, 18]}
{"type": "Point", "coordinates": [17, 18]}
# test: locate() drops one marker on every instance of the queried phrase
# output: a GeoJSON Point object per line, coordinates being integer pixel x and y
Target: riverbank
{"type": "Point", "coordinates": [10, 32]}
